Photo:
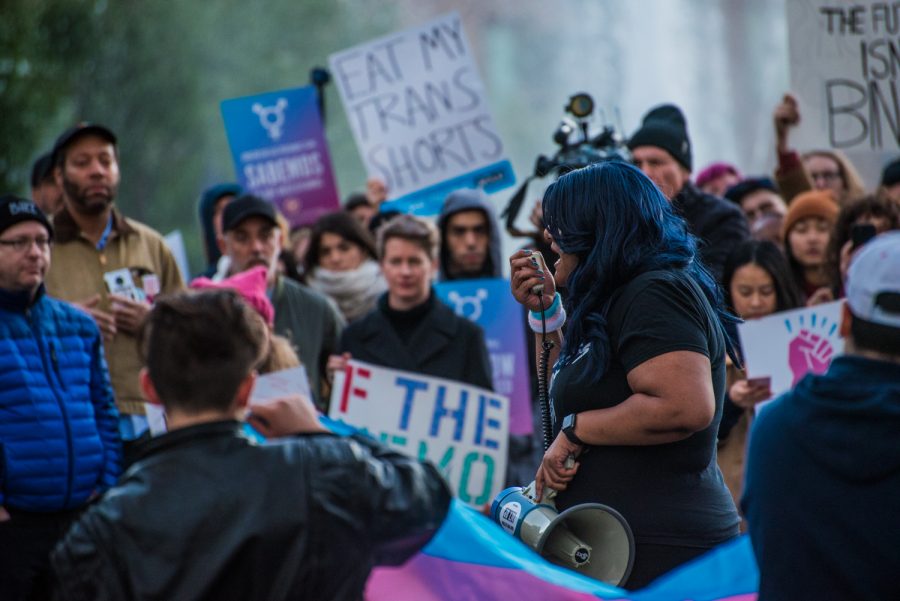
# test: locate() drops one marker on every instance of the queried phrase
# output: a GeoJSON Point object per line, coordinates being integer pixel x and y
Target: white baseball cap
{"type": "Point", "coordinates": [873, 282]}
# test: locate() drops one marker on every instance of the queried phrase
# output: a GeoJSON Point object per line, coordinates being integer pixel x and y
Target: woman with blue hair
{"type": "Point", "coordinates": [639, 380]}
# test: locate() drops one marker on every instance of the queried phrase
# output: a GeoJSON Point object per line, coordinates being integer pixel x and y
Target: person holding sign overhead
{"type": "Point", "coordinates": [639, 379]}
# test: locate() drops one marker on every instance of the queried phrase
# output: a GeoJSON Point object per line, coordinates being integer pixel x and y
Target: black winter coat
{"type": "Point", "coordinates": [719, 224]}
{"type": "Point", "coordinates": [443, 345]}
{"type": "Point", "coordinates": [206, 513]}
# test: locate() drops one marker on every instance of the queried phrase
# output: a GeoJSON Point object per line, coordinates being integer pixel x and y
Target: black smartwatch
{"type": "Point", "coordinates": [568, 428]}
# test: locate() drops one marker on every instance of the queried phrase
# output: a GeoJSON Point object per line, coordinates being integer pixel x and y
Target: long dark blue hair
{"type": "Point", "coordinates": [619, 225]}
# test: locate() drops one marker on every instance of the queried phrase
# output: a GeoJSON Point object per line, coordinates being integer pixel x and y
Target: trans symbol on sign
{"type": "Point", "coordinates": [463, 302]}
{"type": "Point", "coordinates": [271, 117]}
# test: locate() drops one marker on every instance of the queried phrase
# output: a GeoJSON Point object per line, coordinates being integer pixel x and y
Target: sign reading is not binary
{"type": "Point", "coordinates": [462, 429]}
{"type": "Point", "coordinates": [419, 114]}
{"type": "Point", "coordinates": [845, 64]}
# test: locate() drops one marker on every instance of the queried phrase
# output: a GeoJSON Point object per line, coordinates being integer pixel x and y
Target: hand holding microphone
{"type": "Point", "coordinates": [531, 282]}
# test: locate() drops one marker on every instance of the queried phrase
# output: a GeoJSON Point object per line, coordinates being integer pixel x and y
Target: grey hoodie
{"type": "Point", "coordinates": [466, 200]}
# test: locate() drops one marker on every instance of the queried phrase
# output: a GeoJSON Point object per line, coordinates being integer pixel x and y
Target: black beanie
{"type": "Point", "coordinates": [891, 173]}
{"type": "Point", "coordinates": [665, 127]}
{"type": "Point", "coordinates": [15, 210]}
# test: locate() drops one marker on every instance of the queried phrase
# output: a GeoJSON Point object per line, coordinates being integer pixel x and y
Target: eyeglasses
{"type": "Point", "coordinates": [826, 176]}
{"type": "Point", "coordinates": [22, 244]}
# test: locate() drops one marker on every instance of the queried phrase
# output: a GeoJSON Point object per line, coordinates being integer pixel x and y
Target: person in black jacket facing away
{"type": "Point", "coordinates": [662, 150]}
{"type": "Point", "coordinates": [410, 329]}
{"type": "Point", "coordinates": [207, 513]}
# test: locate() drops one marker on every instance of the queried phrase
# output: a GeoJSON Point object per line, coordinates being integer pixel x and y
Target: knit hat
{"type": "Point", "coordinates": [891, 173]}
{"type": "Point", "coordinates": [714, 171]}
{"type": "Point", "coordinates": [873, 282]}
{"type": "Point", "coordinates": [815, 203]}
{"type": "Point", "coordinates": [250, 284]}
{"type": "Point", "coordinates": [666, 128]}
{"type": "Point", "coordinates": [737, 192]}
{"type": "Point", "coordinates": [14, 209]}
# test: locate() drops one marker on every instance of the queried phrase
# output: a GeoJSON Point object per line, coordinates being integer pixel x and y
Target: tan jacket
{"type": "Point", "coordinates": [76, 274]}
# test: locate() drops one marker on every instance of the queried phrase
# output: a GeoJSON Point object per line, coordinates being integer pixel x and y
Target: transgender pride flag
{"type": "Point", "coordinates": [471, 557]}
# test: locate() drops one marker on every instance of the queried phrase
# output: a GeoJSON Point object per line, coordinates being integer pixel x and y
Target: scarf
{"type": "Point", "coordinates": [354, 291]}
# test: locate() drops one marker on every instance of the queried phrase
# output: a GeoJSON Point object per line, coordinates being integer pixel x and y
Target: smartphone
{"type": "Point", "coordinates": [862, 233]}
{"type": "Point", "coordinates": [542, 265]}
{"type": "Point", "coordinates": [120, 282]}
{"type": "Point", "coordinates": [760, 382]}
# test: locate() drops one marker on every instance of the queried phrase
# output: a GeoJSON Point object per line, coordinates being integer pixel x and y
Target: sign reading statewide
{"type": "Point", "coordinates": [280, 153]}
{"type": "Point", "coordinates": [462, 429]}
{"type": "Point", "coordinates": [489, 303]}
{"type": "Point", "coordinates": [845, 58]}
{"type": "Point", "coordinates": [418, 111]}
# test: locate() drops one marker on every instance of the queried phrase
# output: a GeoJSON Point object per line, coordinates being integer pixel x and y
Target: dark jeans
{"type": "Point", "coordinates": [652, 561]}
{"type": "Point", "coordinates": [26, 540]}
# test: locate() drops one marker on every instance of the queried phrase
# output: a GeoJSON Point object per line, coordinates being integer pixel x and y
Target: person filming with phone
{"type": "Point", "coordinates": [639, 378]}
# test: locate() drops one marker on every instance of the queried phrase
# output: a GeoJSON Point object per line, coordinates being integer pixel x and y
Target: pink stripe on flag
{"type": "Point", "coordinates": [427, 578]}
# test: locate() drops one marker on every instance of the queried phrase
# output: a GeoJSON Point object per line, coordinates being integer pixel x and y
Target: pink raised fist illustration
{"type": "Point", "coordinates": [809, 352]}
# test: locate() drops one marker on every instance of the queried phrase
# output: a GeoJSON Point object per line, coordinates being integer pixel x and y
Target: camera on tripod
{"type": "Point", "coordinates": [577, 149]}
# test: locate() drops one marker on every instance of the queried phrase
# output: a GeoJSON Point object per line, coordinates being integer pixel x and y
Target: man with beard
{"type": "Point", "coordinates": [252, 236]}
{"type": "Point", "coordinates": [97, 248]}
{"type": "Point", "coordinates": [470, 238]}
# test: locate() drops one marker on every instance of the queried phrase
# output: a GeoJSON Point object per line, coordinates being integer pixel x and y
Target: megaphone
{"type": "Point", "coordinates": [591, 539]}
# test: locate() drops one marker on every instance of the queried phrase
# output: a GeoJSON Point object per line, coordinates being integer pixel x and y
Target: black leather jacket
{"type": "Point", "coordinates": [206, 513]}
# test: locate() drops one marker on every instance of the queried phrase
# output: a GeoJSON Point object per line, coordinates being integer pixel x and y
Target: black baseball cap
{"type": "Point", "coordinates": [42, 170]}
{"type": "Point", "coordinates": [246, 206]}
{"type": "Point", "coordinates": [14, 209]}
{"type": "Point", "coordinates": [75, 132]}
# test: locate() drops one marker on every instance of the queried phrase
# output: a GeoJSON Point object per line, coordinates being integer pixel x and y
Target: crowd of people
{"type": "Point", "coordinates": [650, 269]}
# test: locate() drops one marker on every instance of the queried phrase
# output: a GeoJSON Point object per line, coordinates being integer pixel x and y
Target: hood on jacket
{"type": "Point", "coordinates": [206, 208]}
{"type": "Point", "coordinates": [466, 200]}
{"type": "Point", "coordinates": [847, 419]}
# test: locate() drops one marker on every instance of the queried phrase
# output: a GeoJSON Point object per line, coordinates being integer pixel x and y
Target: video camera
{"type": "Point", "coordinates": [577, 149]}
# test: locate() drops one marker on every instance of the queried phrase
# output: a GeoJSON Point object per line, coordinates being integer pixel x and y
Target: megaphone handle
{"type": "Point", "coordinates": [549, 494]}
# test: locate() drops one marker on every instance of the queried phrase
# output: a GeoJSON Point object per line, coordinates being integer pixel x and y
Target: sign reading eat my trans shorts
{"type": "Point", "coordinates": [460, 428]}
{"type": "Point", "coordinates": [489, 303]}
{"type": "Point", "coordinates": [418, 111]}
{"type": "Point", "coordinates": [845, 65]}
{"type": "Point", "coordinates": [280, 153]}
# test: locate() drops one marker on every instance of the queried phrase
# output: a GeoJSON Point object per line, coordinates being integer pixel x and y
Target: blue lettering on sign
{"type": "Point", "coordinates": [441, 411]}
{"type": "Point", "coordinates": [484, 421]}
{"type": "Point", "coordinates": [411, 387]}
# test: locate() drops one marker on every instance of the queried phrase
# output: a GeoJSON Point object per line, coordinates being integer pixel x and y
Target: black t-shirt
{"type": "Point", "coordinates": [669, 493]}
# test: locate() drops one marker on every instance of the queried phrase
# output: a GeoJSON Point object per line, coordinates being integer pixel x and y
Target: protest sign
{"type": "Point", "coordinates": [844, 67]}
{"type": "Point", "coordinates": [268, 387]}
{"type": "Point", "coordinates": [419, 114]}
{"type": "Point", "coordinates": [280, 153]}
{"type": "Point", "coordinates": [462, 429]}
{"type": "Point", "coordinates": [490, 304]}
{"type": "Point", "coordinates": [786, 346]}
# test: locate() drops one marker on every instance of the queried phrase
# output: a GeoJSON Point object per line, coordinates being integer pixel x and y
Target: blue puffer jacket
{"type": "Point", "coordinates": [59, 439]}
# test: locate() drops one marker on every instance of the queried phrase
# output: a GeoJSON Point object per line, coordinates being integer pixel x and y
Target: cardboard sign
{"type": "Point", "coordinates": [280, 153]}
{"type": "Point", "coordinates": [490, 304]}
{"type": "Point", "coordinates": [419, 114]}
{"type": "Point", "coordinates": [786, 346]}
{"type": "Point", "coordinates": [462, 429]}
{"type": "Point", "coordinates": [845, 60]}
